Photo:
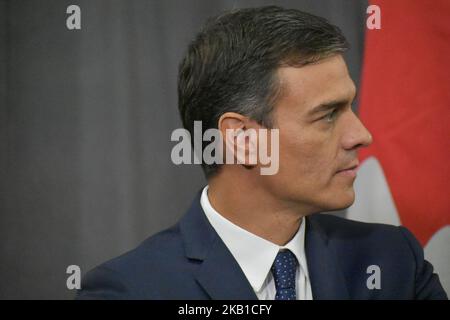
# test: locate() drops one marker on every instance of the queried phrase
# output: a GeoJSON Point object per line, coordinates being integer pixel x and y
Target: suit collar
{"type": "Point", "coordinates": [219, 274]}
{"type": "Point", "coordinates": [256, 257]}
{"type": "Point", "coordinates": [196, 231]}
{"type": "Point", "coordinates": [203, 244]}
{"type": "Point", "coordinates": [327, 279]}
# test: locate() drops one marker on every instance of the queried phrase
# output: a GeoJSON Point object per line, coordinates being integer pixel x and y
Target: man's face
{"type": "Point", "coordinates": [319, 136]}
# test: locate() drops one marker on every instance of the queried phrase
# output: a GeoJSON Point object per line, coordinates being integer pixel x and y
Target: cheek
{"type": "Point", "coordinates": [306, 157]}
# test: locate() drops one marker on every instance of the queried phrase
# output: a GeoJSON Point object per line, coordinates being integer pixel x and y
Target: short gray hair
{"type": "Point", "coordinates": [231, 64]}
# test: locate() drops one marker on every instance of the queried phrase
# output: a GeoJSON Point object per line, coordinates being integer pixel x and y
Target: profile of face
{"type": "Point", "coordinates": [319, 136]}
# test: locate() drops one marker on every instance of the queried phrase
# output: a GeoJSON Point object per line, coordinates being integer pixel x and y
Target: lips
{"type": "Point", "coordinates": [350, 167]}
{"type": "Point", "coordinates": [349, 170]}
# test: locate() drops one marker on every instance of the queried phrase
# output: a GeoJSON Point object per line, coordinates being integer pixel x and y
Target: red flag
{"type": "Point", "coordinates": [405, 104]}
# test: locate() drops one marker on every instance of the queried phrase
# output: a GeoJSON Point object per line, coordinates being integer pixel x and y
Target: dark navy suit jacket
{"type": "Point", "coordinates": [190, 261]}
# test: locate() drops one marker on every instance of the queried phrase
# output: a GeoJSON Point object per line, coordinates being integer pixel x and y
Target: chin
{"type": "Point", "coordinates": [340, 201]}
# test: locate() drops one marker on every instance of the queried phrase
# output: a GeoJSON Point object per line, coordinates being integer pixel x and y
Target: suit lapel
{"type": "Point", "coordinates": [221, 276]}
{"type": "Point", "coordinates": [218, 273]}
{"type": "Point", "coordinates": [327, 279]}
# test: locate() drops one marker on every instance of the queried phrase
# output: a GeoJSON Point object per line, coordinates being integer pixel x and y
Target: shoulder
{"type": "Point", "coordinates": [156, 248]}
{"type": "Point", "coordinates": [133, 274]}
{"type": "Point", "coordinates": [340, 228]}
{"type": "Point", "coordinates": [360, 243]}
{"type": "Point", "coordinates": [393, 249]}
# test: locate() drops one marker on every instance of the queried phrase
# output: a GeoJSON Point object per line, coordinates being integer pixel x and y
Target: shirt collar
{"type": "Point", "coordinates": [257, 255]}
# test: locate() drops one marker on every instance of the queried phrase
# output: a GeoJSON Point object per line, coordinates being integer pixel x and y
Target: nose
{"type": "Point", "coordinates": [356, 134]}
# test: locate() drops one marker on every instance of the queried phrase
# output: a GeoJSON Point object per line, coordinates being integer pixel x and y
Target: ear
{"type": "Point", "coordinates": [240, 139]}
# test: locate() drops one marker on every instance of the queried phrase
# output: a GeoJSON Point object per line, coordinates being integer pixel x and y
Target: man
{"type": "Point", "coordinates": [254, 236]}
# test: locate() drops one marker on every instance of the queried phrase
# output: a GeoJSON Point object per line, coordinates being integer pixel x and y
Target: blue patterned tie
{"type": "Point", "coordinates": [284, 269]}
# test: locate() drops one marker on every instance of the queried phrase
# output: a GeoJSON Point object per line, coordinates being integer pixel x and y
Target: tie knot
{"type": "Point", "coordinates": [284, 270]}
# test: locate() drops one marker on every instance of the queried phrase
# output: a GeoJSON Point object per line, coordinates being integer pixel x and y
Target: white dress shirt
{"type": "Point", "coordinates": [256, 255]}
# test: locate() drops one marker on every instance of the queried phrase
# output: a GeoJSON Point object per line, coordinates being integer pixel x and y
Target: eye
{"type": "Point", "coordinates": [331, 116]}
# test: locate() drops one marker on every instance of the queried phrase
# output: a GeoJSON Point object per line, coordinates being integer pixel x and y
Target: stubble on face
{"type": "Point", "coordinates": [314, 142]}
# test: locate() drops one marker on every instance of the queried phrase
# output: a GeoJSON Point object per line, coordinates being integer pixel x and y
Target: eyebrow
{"type": "Point", "coordinates": [333, 104]}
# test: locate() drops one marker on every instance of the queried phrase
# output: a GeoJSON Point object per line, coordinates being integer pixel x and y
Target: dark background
{"type": "Point", "coordinates": [85, 123]}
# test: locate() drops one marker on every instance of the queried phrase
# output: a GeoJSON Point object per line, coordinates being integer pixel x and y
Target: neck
{"type": "Point", "coordinates": [246, 203]}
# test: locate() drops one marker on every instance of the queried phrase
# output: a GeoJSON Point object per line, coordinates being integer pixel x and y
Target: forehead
{"type": "Point", "coordinates": [317, 83]}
